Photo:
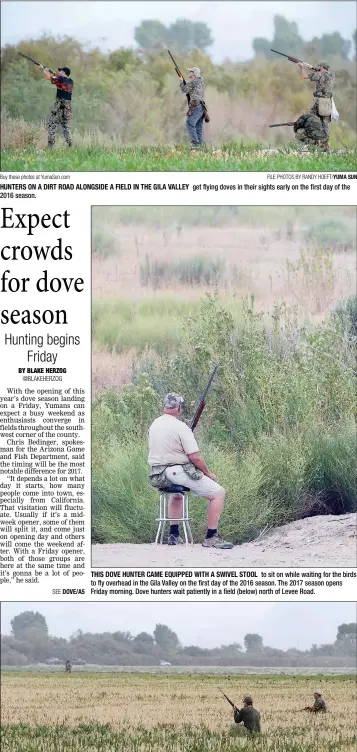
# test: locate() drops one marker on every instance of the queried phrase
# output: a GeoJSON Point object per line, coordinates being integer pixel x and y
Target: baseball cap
{"type": "Point", "coordinates": [323, 65]}
{"type": "Point", "coordinates": [317, 692]}
{"type": "Point", "coordinates": [248, 699]}
{"type": "Point", "coordinates": [196, 71]}
{"type": "Point", "coordinates": [173, 400]}
{"type": "Point", "coordinates": [65, 69]}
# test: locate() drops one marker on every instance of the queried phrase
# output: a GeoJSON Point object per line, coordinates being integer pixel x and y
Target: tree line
{"type": "Point", "coordinates": [30, 642]}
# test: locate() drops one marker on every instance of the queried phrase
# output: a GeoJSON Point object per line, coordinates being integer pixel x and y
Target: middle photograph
{"type": "Point", "coordinates": [223, 386]}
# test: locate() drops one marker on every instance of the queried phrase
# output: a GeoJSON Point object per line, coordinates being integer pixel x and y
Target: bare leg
{"type": "Point", "coordinates": [214, 511]}
{"type": "Point", "coordinates": [175, 508]}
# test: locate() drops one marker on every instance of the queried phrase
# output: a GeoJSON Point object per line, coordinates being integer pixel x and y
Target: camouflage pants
{"type": "Point", "coordinates": [302, 136]}
{"type": "Point", "coordinates": [61, 113]}
{"type": "Point", "coordinates": [325, 121]}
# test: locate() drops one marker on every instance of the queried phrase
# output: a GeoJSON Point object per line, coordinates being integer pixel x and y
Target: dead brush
{"type": "Point", "coordinates": [16, 133]}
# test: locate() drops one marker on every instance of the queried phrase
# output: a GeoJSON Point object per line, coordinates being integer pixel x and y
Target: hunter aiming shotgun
{"type": "Point", "coordinates": [36, 63]}
{"type": "Point", "coordinates": [202, 402]}
{"type": "Point", "coordinates": [177, 69]}
{"type": "Point", "coordinates": [294, 59]}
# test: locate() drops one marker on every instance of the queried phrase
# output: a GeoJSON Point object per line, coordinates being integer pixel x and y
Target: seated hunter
{"type": "Point", "coordinates": [319, 705]}
{"type": "Point", "coordinates": [175, 458]}
{"type": "Point", "coordinates": [248, 716]}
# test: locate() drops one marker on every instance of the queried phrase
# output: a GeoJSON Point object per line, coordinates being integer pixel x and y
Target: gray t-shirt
{"type": "Point", "coordinates": [170, 441]}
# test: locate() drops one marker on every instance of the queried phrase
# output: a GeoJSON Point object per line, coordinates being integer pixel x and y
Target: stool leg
{"type": "Point", "coordinates": [160, 521]}
{"type": "Point", "coordinates": [164, 516]}
{"type": "Point", "coordinates": [184, 517]}
{"type": "Point", "coordinates": [190, 536]}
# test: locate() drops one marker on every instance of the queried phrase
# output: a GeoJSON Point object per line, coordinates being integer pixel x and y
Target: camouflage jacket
{"type": "Point", "coordinates": [312, 125]}
{"type": "Point", "coordinates": [319, 704]}
{"type": "Point", "coordinates": [196, 89]}
{"type": "Point", "coordinates": [324, 82]}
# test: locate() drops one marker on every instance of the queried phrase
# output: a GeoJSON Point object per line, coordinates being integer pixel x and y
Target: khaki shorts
{"type": "Point", "coordinates": [204, 487]}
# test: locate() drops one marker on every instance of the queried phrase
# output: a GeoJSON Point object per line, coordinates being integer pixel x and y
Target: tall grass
{"type": "Point", "coordinates": [190, 272]}
{"type": "Point", "coordinates": [272, 217]}
{"type": "Point", "coordinates": [137, 712]}
{"type": "Point", "coordinates": [119, 325]}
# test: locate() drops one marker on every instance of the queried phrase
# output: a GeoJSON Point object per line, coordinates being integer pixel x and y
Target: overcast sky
{"type": "Point", "coordinates": [233, 24]}
{"type": "Point", "coordinates": [281, 625]}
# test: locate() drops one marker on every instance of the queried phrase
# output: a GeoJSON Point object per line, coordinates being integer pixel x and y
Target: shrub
{"type": "Point", "coordinates": [104, 242]}
{"type": "Point", "coordinates": [332, 233]}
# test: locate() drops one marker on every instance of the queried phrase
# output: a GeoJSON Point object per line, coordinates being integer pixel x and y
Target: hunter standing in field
{"type": "Point", "coordinates": [309, 131]}
{"type": "Point", "coordinates": [61, 112]}
{"type": "Point", "coordinates": [68, 667]}
{"type": "Point", "coordinates": [174, 458]}
{"type": "Point", "coordinates": [324, 81]}
{"type": "Point", "coordinates": [319, 704]}
{"type": "Point", "coordinates": [196, 108]}
{"type": "Point", "coordinates": [249, 716]}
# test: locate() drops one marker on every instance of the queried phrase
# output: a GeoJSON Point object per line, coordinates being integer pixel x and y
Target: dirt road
{"type": "Point", "coordinates": [328, 541]}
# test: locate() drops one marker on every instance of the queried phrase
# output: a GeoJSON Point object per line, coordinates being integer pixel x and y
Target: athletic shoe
{"type": "Point", "coordinates": [174, 540]}
{"type": "Point", "coordinates": [216, 542]}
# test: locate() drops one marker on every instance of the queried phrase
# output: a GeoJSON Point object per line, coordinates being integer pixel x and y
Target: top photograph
{"type": "Point", "coordinates": [178, 86]}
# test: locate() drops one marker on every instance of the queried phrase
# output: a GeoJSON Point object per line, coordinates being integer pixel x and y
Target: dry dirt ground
{"type": "Point", "coordinates": [328, 541]}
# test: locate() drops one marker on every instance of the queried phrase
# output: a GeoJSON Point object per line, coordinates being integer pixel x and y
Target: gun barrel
{"type": "Point", "coordinates": [28, 58]}
{"type": "Point", "coordinates": [174, 62]}
{"type": "Point", "coordinates": [35, 62]}
{"type": "Point", "coordinates": [293, 59]}
{"type": "Point", "coordinates": [290, 57]}
{"type": "Point", "coordinates": [202, 401]}
{"type": "Point", "coordinates": [277, 125]}
{"type": "Point", "coordinates": [227, 698]}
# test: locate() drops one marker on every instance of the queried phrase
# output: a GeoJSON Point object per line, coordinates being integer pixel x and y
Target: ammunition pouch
{"type": "Point", "coordinates": [324, 106]}
{"type": "Point", "coordinates": [158, 478]}
{"type": "Point", "coordinates": [205, 112]}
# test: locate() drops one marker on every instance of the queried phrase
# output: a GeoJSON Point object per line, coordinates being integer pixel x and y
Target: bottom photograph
{"type": "Point", "coordinates": [180, 677]}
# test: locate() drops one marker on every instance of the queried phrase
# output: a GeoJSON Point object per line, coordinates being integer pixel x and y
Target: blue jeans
{"type": "Point", "coordinates": [194, 125]}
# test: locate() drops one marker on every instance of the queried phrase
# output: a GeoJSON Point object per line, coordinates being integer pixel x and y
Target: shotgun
{"type": "Point", "coordinates": [294, 59]}
{"type": "Point", "coordinates": [37, 63]}
{"type": "Point", "coordinates": [202, 402]}
{"type": "Point", "coordinates": [177, 69]}
{"type": "Point", "coordinates": [228, 700]}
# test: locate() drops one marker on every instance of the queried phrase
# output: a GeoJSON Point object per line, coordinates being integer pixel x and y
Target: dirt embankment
{"type": "Point", "coordinates": [328, 541]}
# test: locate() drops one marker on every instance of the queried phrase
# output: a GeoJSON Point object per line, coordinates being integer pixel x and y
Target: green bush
{"type": "Point", "coordinates": [104, 242]}
{"type": "Point", "coordinates": [332, 233]}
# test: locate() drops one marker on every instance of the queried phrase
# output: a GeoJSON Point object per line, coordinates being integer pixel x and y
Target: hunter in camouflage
{"type": "Point", "coordinates": [319, 705]}
{"type": "Point", "coordinates": [195, 113]}
{"type": "Point", "coordinates": [61, 111]}
{"type": "Point", "coordinates": [309, 131]}
{"type": "Point", "coordinates": [324, 81]}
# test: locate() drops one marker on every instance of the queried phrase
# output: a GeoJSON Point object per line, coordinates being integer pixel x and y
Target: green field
{"type": "Point", "coordinates": [145, 713]}
{"type": "Point", "coordinates": [227, 158]}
